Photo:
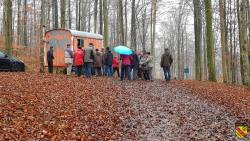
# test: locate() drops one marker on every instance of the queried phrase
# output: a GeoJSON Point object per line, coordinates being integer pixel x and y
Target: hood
{"type": "Point", "coordinates": [13, 59]}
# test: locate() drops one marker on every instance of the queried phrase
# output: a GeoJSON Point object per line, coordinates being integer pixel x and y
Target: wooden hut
{"type": "Point", "coordinates": [60, 38]}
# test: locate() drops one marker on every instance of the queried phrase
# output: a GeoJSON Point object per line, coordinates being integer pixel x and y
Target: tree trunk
{"type": "Point", "coordinates": [205, 70]}
{"type": "Point", "coordinates": [153, 23]}
{"type": "Point", "coordinates": [89, 16]}
{"type": "Point", "coordinates": [198, 38]}
{"type": "Point", "coordinates": [242, 18]}
{"type": "Point", "coordinates": [224, 47]}
{"type": "Point", "coordinates": [144, 31]}
{"type": "Point", "coordinates": [69, 14]}
{"type": "Point", "coordinates": [95, 15]}
{"type": "Point", "coordinates": [126, 22]}
{"type": "Point", "coordinates": [55, 13]}
{"type": "Point", "coordinates": [121, 25]}
{"type": "Point", "coordinates": [77, 13]}
{"type": "Point", "coordinates": [8, 26]}
{"type": "Point", "coordinates": [48, 6]}
{"type": "Point", "coordinates": [106, 23]}
{"type": "Point", "coordinates": [41, 49]}
{"type": "Point", "coordinates": [18, 22]}
{"type": "Point", "coordinates": [101, 17]}
{"type": "Point", "coordinates": [25, 21]}
{"type": "Point", "coordinates": [63, 8]}
{"type": "Point", "coordinates": [133, 26]}
{"type": "Point", "coordinates": [210, 41]}
{"type": "Point", "coordinates": [248, 7]}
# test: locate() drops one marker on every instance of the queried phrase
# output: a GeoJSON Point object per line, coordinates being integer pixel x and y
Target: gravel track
{"type": "Point", "coordinates": [163, 111]}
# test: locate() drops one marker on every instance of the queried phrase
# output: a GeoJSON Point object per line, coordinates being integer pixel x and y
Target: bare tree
{"type": "Point", "coordinates": [55, 13]}
{"type": "Point", "coordinates": [106, 23]}
{"type": "Point", "coordinates": [198, 38]}
{"type": "Point", "coordinates": [63, 13]}
{"type": "Point", "coordinates": [8, 26]}
{"type": "Point", "coordinates": [210, 41]}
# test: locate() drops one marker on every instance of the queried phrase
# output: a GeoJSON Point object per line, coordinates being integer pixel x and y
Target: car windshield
{"type": "Point", "coordinates": [2, 55]}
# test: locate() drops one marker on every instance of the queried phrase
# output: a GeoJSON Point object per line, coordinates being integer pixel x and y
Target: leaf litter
{"type": "Point", "coordinates": [57, 107]}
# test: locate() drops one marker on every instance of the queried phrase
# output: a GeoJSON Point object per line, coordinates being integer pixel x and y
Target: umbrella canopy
{"type": "Point", "coordinates": [123, 50]}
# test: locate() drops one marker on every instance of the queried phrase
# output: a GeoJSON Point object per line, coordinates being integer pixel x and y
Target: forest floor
{"type": "Point", "coordinates": [58, 107]}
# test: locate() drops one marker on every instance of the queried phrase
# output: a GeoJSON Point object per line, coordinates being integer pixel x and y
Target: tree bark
{"type": "Point", "coordinates": [101, 17]}
{"type": "Point", "coordinates": [224, 46]}
{"type": "Point", "coordinates": [133, 26]}
{"type": "Point", "coordinates": [198, 38]}
{"type": "Point", "coordinates": [89, 15]}
{"type": "Point", "coordinates": [106, 23]}
{"type": "Point", "coordinates": [25, 20]}
{"type": "Point", "coordinates": [55, 13]}
{"type": "Point", "coordinates": [8, 26]}
{"type": "Point", "coordinates": [48, 7]}
{"type": "Point", "coordinates": [69, 14]}
{"type": "Point", "coordinates": [42, 24]}
{"type": "Point", "coordinates": [121, 25]}
{"type": "Point", "coordinates": [242, 18]}
{"type": "Point", "coordinates": [95, 15]}
{"type": "Point", "coordinates": [63, 8]}
{"type": "Point", "coordinates": [210, 41]}
{"type": "Point", "coordinates": [153, 25]}
{"type": "Point", "coordinates": [126, 22]}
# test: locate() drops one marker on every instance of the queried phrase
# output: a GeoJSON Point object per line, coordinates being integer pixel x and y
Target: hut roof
{"type": "Point", "coordinates": [86, 34]}
{"type": "Point", "coordinates": [81, 34]}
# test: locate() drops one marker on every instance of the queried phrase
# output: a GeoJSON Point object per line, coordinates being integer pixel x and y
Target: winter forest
{"type": "Point", "coordinates": [210, 38]}
{"type": "Point", "coordinates": [102, 70]}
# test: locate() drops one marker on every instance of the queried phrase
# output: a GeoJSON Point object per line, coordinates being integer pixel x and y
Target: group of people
{"type": "Point", "coordinates": [89, 62]}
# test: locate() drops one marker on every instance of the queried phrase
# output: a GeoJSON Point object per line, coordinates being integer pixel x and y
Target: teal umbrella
{"type": "Point", "coordinates": [123, 50]}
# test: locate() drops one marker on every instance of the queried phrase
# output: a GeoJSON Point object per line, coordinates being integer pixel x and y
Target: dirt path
{"type": "Point", "coordinates": [57, 107]}
{"type": "Point", "coordinates": [165, 112]}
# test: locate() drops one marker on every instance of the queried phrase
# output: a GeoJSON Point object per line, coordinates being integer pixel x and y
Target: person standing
{"type": "Point", "coordinates": [166, 62]}
{"type": "Point", "coordinates": [78, 60]}
{"type": "Point", "coordinates": [88, 60]}
{"type": "Point", "coordinates": [103, 62]}
{"type": "Point", "coordinates": [150, 65]}
{"type": "Point", "coordinates": [98, 62]}
{"type": "Point", "coordinates": [108, 60]}
{"type": "Point", "coordinates": [145, 66]}
{"type": "Point", "coordinates": [68, 53]}
{"type": "Point", "coordinates": [135, 65]}
{"type": "Point", "coordinates": [115, 66]}
{"type": "Point", "coordinates": [126, 66]}
{"type": "Point", "coordinates": [50, 58]}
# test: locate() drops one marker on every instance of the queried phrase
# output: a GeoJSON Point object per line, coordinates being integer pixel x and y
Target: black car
{"type": "Point", "coordinates": [9, 63]}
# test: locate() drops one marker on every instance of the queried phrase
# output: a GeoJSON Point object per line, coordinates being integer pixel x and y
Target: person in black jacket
{"type": "Point", "coordinates": [135, 65]}
{"type": "Point", "coordinates": [50, 58]}
{"type": "Point", "coordinates": [108, 61]}
{"type": "Point", "coordinates": [166, 62]}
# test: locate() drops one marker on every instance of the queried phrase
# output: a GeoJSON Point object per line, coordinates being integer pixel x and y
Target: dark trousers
{"type": "Point", "coordinates": [146, 74]}
{"type": "Point", "coordinates": [78, 71]}
{"type": "Point", "coordinates": [50, 67]}
{"type": "Point", "coordinates": [126, 71]}
{"type": "Point", "coordinates": [140, 72]}
{"type": "Point", "coordinates": [167, 73]}
{"type": "Point", "coordinates": [104, 70]}
{"type": "Point", "coordinates": [116, 70]}
{"type": "Point", "coordinates": [135, 72]}
{"type": "Point", "coordinates": [88, 69]}
{"type": "Point", "coordinates": [98, 71]}
{"type": "Point", "coordinates": [109, 71]}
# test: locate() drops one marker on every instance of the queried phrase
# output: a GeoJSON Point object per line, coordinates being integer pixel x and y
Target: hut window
{"type": "Point", "coordinates": [80, 42]}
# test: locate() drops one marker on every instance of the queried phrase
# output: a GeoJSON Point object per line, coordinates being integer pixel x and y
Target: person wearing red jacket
{"type": "Point", "coordinates": [115, 66]}
{"type": "Point", "coordinates": [78, 60]}
{"type": "Point", "coordinates": [126, 66]}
